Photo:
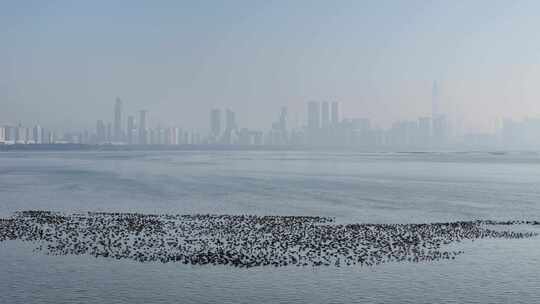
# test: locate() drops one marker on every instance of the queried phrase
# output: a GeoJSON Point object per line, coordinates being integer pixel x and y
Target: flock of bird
{"type": "Point", "coordinates": [244, 240]}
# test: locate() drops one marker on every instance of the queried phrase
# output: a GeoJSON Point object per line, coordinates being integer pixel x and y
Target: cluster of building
{"type": "Point", "coordinates": [136, 131]}
{"type": "Point", "coordinates": [19, 134]}
{"type": "Point", "coordinates": [324, 128]}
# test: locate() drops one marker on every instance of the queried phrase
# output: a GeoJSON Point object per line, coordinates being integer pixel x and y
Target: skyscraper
{"type": "Point", "coordinates": [230, 120]}
{"type": "Point", "coordinates": [230, 127]}
{"type": "Point", "coordinates": [100, 132]}
{"type": "Point", "coordinates": [2, 135]}
{"type": "Point", "coordinates": [283, 119]}
{"type": "Point", "coordinates": [118, 120]}
{"type": "Point", "coordinates": [10, 133]}
{"type": "Point", "coordinates": [51, 137]}
{"type": "Point", "coordinates": [173, 136]}
{"type": "Point", "coordinates": [435, 110]}
{"type": "Point", "coordinates": [37, 134]}
{"type": "Point", "coordinates": [130, 130]}
{"type": "Point", "coordinates": [20, 135]}
{"type": "Point", "coordinates": [325, 114]}
{"type": "Point", "coordinates": [215, 122]}
{"type": "Point", "coordinates": [143, 137]}
{"type": "Point", "coordinates": [109, 132]}
{"type": "Point", "coordinates": [335, 113]}
{"type": "Point", "coordinates": [314, 116]}
{"type": "Point", "coordinates": [29, 136]}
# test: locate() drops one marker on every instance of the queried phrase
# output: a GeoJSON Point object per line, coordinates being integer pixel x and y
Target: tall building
{"type": "Point", "coordinates": [143, 132]}
{"type": "Point", "coordinates": [283, 119]}
{"type": "Point", "coordinates": [159, 135]}
{"type": "Point", "coordinates": [51, 137]}
{"type": "Point", "coordinates": [325, 114]}
{"type": "Point", "coordinates": [2, 135]}
{"type": "Point", "coordinates": [10, 133]}
{"type": "Point", "coordinates": [109, 132]}
{"type": "Point", "coordinates": [335, 113]}
{"type": "Point", "coordinates": [20, 134]}
{"type": "Point", "coordinates": [230, 127]}
{"type": "Point", "coordinates": [118, 120]}
{"type": "Point", "coordinates": [30, 136]}
{"type": "Point", "coordinates": [230, 121]}
{"type": "Point", "coordinates": [38, 134]}
{"type": "Point", "coordinates": [435, 107]}
{"type": "Point", "coordinates": [215, 122]}
{"type": "Point", "coordinates": [130, 130]}
{"type": "Point", "coordinates": [279, 135]}
{"type": "Point", "coordinates": [314, 116]}
{"type": "Point", "coordinates": [173, 136]}
{"type": "Point", "coordinates": [100, 132]}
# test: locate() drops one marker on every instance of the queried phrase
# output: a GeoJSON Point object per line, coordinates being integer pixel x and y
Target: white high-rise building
{"type": "Point", "coordinates": [51, 137]}
{"type": "Point", "coordinates": [143, 132]}
{"type": "Point", "coordinates": [118, 132]}
{"type": "Point", "coordinates": [20, 135]}
{"type": "Point", "coordinates": [335, 113]}
{"type": "Point", "coordinates": [435, 107]}
{"type": "Point", "coordinates": [37, 134]}
{"type": "Point", "coordinates": [172, 136]}
{"type": "Point", "coordinates": [2, 135]}
{"type": "Point", "coordinates": [10, 134]}
{"type": "Point", "coordinates": [130, 131]}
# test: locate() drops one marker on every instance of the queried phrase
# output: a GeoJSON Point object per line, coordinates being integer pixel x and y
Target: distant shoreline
{"type": "Point", "coordinates": [227, 147]}
{"type": "Point", "coordinates": [204, 147]}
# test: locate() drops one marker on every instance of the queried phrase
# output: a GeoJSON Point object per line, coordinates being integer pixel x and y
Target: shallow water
{"type": "Point", "coordinates": [352, 187]}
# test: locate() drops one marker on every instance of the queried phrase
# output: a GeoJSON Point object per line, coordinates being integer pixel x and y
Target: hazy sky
{"type": "Point", "coordinates": [64, 62]}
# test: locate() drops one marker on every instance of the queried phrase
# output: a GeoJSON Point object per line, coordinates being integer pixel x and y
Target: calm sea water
{"type": "Point", "coordinates": [352, 187]}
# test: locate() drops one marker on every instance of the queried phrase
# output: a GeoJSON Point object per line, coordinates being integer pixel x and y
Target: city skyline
{"type": "Point", "coordinates": [433, 110]}
{"type": "Point", "coordinates": [324, 127]}
{"type": "Point", "coordinates": [255, 151]}
{"type": "Point", "coordinates": [326, 113]}
{"type": "Point", "coordinates": [378, 58]}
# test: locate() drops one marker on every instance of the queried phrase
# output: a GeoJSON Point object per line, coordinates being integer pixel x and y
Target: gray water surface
{"type": "Point", "coordinates": [352, 187]}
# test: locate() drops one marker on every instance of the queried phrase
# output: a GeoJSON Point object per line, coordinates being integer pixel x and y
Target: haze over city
{"type": "Point", "coordinates": [269, 151]}
{"type": "Point", "coordinates": [63, 65]}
